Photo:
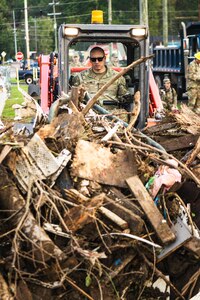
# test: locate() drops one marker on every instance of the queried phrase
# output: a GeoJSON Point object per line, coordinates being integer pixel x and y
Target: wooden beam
{"type": "Point", "coordinates": [153, 214]}
{"type": "Point", "coordinates": [182, 142]}
{"type": "Point", "coordinates": [193, 245]}
{"type": "Point", "coordinates": [194, 153]}
{"type": "Point", "coordinates": [159, 128]}
{"type": "Point", "coordinates": [74, 95]}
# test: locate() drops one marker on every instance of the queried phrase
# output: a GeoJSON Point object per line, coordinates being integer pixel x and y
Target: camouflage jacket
{"type": "Point", "coordinates": [73, 65]}
{"type": "Point", "coordinates": [93, 82]}
{"type": "Point", "coordinates": [193, 75]}
{"type": "Point", "coordinates": [169, 98]}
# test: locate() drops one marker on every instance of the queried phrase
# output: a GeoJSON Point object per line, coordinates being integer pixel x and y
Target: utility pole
{"type": "Point", "coordinates": [110, 21]}
{"type": "Point", "coordinates": [14, 30]}
{"type": "Point", "coordinates": [109, 11]}
{"type": "Point", "coordinates": [165, 23]}
{"type": "Point", "coordinates": [35, 27]}
{"type": "Point", "coordinates": [27, 33]}
{"type": "Point", "coordinates": [54, 14]}
{"type": "Point", "coordinates": [143, 5]}
{"type": "Point", "coordinates": [144, 17]}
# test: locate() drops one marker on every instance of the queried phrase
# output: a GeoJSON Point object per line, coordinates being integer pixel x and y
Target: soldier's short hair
{"type": "Point", "coordinates": [97, 49]}
{"type": "Point", "coordinates": [114, 54]}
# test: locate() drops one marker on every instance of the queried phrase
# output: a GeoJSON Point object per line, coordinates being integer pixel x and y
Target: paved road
{"type": "Point", "coordinates": [13, 67]}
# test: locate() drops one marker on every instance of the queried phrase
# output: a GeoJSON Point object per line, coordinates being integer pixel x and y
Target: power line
{"type": "Point", "coordinates": [54, 14]}
{"type": "Point", "coordinates": [60, 4]}
{"type": "Point", "coordinates": [65, 3]}
{"type": "Point", "coordinates": [18, 23]}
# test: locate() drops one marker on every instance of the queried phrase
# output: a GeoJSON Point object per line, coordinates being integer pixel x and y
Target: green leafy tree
{"type": "Point", "coordinates": [41, 34]}
{"type": "Point", "coordinates": [6, 39]}
{"type": "Point", "coordinates": [79, 11]}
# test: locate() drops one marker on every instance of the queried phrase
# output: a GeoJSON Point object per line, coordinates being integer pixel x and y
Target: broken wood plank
{"type": "Point", "coordinates": [153, 214]}
{"type": "Point", "coordinates": [193, 245]}
{"type": "Point", "coordinates": [5, 291]}
{"type": "Point", "coordinates": [22, 291]}
{"type": "Point", "coordinates": [95, 162]}
{"type": "Point", "coordinates": [194, 153]}
{"type": "Point", "coordinates": [120, 198]}
{"type": "Point", "coordinates": [75, 95]}
{"type": "Point", "coordinates": [136, 111]}
{"type": "Point", "coordinates": [159, 128]}
{"type": "Point", "coordinates": [113, 217]}
{"type": "Point", "coordinates": [178, 143]}
{"type": "Point", "coordinates": [135, 222]}
{"type": "Point", "coordinates": [6, 150]}
{"type": "Point", "coordinates": [77, 217]}
{"type": "Point", "coordinates": [75, 195]}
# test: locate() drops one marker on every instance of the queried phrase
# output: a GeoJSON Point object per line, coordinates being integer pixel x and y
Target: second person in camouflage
{"type": "Point", "coordinates": [169, 95]}
{"type": "Point", "coordinates": [193, 84]}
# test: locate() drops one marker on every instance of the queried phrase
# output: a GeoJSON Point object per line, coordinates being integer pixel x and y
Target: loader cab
{"type": "Point", "coordinates": [127, 41]}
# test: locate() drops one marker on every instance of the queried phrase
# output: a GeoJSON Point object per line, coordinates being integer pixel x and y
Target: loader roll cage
{"type": "Point", "coordinates": [132, 39]}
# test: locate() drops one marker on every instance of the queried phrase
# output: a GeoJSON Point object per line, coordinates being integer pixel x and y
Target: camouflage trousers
{"type": "Point", "coordinates": [118, 112]}
{"type": "Point", "coordinates": [194, 98]}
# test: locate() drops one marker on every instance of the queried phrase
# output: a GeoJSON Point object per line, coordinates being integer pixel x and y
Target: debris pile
{"type": "Point", "coordinates": [91, 209]}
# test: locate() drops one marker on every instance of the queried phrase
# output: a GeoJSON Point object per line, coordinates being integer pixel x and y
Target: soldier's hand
{"type": "Point", "coordinates": [162, 92]}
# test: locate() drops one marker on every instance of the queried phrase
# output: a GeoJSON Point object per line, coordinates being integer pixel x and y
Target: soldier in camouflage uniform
{"type": "Point", "coordinates": [75, 60]}
{"type": "Point", "coordinates": [98, 75]}
{"type": "Point", "coordinates": [193, 84]}
{"type": "Point", "coordinates": [169, 95]}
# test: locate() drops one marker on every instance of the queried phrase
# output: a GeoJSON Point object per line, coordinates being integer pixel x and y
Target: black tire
{"type": "Point", "coordinates": [34, 91]}
{"type": "Point", "coordinates": [29, 79]}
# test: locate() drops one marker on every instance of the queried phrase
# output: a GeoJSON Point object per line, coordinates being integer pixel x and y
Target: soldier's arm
{"type": "Point", "coordinates": [162, 94]}
{"type": "Point", "coordinates": [192, 74]}
{"type": "Point", "coordinates": [122, 89]}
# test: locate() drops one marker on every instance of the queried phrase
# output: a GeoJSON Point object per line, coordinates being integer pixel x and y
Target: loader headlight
{"type": "Point", "coordinates": [70, 31]}
{"type": "Point", "coordinates": [138, 32]}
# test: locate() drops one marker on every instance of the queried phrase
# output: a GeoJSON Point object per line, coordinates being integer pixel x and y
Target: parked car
{"type": "Point", "coordinates": [9, 61]}
{"type": "Point", "coordinates": [24, 64]}
{"type": "Point", "coordinates": [27, 75]}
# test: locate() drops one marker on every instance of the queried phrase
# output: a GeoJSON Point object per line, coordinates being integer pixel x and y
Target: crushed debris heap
{"type": "Point", "coordinates": [92, 209]}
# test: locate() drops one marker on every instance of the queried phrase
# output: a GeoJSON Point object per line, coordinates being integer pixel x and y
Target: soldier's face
{"type": "Point", "coordinates": [167, 85]}
{"type": "Point", "coordinates": [98, 60]}
{"type": "Point", "coordinates": [76, 58]}
{"type": "Point", "coordinates": [198, 61]}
